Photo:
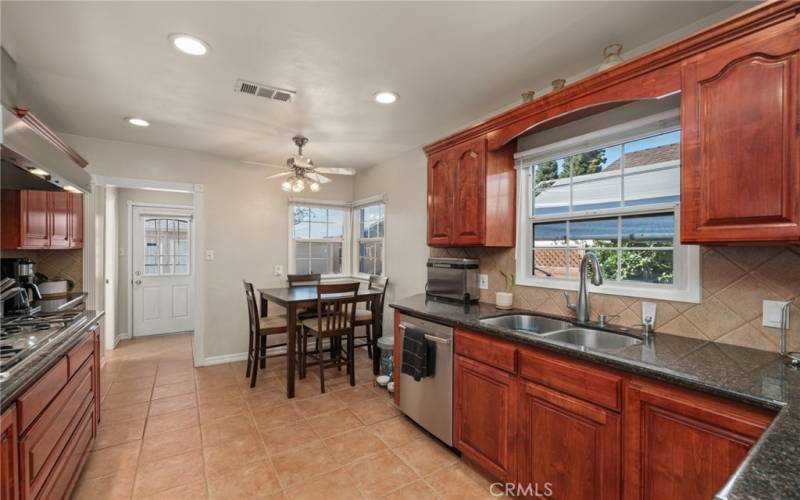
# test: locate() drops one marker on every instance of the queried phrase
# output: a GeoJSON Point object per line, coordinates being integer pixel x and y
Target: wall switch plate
{"type": "Point", "coordinates": [199, 188]}
{"type": "Point", "coordinates": [209, 254]}
{"type": "Point", "coordinates": [649, 309]}
{"type": "Point", "coordinates": [771, 313]}
{"type": "Point", "coordinates": [277, 271]}
{"type": "Point", "coordinates": [483, 281]}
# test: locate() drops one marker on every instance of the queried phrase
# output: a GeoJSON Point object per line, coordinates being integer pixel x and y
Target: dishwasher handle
{"type": "Point", "coordinates": [428, 336]}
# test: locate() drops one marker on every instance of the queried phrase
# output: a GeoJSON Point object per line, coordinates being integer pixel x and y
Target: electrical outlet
{"type": "Point", "coordinates": [771, 313]}
{"type": "Point", "coordinates": [277, 271]}
{"type": "Point", "coordinates": [483, 281]}
{"type": "Point", "coordinates": [209, 254]}
{"type": "Point", "coordinates": [649, 309]}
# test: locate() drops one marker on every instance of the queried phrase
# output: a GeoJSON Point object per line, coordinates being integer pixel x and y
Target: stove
{"type": "Point", "coordinates": [24, 336]}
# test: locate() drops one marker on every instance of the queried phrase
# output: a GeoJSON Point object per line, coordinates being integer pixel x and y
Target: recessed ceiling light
{"type": "Point", "coordinates": [386, 97]}
{"type": "Point", "coordinates": [137, 122]}
{"type": "Point", "coordinates": [189, 44]}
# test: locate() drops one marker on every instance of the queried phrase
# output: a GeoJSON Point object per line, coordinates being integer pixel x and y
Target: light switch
{"type": "Point", "coordinates": [483, 281]}
{"type": "Point", "coordinates": [771, 313]}
{"type": "Point", "coordinates": [649, 310]}
{"type": "Point", "coordinates": [277, 271]}
{"type": "Point", "coordinates": [209, 254]}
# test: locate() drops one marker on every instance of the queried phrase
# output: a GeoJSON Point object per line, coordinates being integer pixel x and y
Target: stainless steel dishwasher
{"type": "Point", "coordinates": [429, 401]}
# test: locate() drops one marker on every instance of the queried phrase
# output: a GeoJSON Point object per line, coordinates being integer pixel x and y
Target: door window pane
{"type": "Point", "coordinates": [166, 246]}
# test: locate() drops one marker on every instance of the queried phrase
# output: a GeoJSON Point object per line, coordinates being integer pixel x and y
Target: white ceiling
{"type": "Point", "coordinates": [83, 66]}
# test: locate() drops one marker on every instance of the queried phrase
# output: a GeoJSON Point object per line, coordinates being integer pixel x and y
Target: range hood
{"type": "Point", "coordinates": [33, 156]}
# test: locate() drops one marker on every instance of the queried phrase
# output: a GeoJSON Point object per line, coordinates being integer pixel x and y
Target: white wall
{"type": "Point", "coordinates": [123, 245]}
{"type": "Point", "coordinates": [403, 180]}
{"type": "Point", "coordinates": [245, 223]}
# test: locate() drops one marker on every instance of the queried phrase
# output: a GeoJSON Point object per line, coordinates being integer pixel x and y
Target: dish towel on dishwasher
{"type": "Point", "coordinates": [419, 354]}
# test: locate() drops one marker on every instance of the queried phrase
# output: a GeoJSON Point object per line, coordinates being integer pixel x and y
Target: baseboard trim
{"type": "Point", "coordinates": [121, 336]}
{"type": "Point", "coordinates": [224, 358]}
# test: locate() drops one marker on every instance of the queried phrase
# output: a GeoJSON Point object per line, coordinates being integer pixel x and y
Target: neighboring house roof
{"type": "Point", "coordinates": [649, 156]}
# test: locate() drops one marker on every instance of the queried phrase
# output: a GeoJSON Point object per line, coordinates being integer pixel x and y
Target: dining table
{"type": "Point", "coordinates": [296, 297]}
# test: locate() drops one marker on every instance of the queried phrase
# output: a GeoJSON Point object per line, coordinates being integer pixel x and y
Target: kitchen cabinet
{"type": "Point", "coordinates": [567, 445]}
{"type": "Point", "coordinates": [471, 196]}
{"type": "Point", "coordinates": [41, 219]}
{"type": "Point", "coordinates": [683, 444]}
{"type": "Point", "coordinates": [9, 464]}
{"type": "Point", "coordinates": [484, 416]}
{"type": "Point", "coordinates": [740, 172]}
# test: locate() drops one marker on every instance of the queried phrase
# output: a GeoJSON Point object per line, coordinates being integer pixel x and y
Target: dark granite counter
{"type": "Point", "coordinates": [37, 364]}
{"type": "Point", "coordinates": [772, 468]}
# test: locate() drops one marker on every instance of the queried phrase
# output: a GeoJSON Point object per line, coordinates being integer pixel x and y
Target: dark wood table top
{"type": "Point", "coordinates": [299, 294]}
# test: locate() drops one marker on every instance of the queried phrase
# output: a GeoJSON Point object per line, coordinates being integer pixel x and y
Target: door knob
{"type": "Point", "coordinates": [138, 282]}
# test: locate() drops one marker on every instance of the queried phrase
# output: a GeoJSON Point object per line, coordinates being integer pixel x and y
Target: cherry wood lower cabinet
{"type": "Point", "coordinates": [9, 464]}
{"type": "Point", "coordinates": [485, 410]}
{"type": "Point", "coordinates": [682, 444]}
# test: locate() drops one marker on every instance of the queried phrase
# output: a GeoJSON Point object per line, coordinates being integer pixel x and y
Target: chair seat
{"type": "Point", "coordinates": [313, 324]}
{"type": "Point", "coordinates": [274, 323]}
{"type": "Point", "coordinates": [363, 315]}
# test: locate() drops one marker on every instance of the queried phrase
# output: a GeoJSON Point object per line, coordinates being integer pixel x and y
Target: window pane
{"type": "Point", "coordinates": [649, 266]}
{"type": "Point", "coordinates": [550, 262]}
{"type": "Point", "coordinates": [550, 188]}
{"type": "Point", "coordinates": [608, 263]}
{"type": "Point", "coordinates": [550, 234]}
{"type": "Point", "coordinates": [596, 181]}
{"type": "Point", "coordinates": [594, 233]}
{"type": "Point", "coordinates": [319, 230]}
{"type": "Point", "coordinates": [656, 230]}
{"type": "Point", "coordinates": [652, 171]}
{"type": "Point", "coordinates": [319, 250]}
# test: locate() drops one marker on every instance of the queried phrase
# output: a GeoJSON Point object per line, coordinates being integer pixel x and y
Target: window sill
{"type": "Point", "coordinates": [644, 291]}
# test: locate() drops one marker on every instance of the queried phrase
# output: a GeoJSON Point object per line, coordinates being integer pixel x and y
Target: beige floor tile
{"type": "Point", "coordinates": [418, 490]}
{"type": "Point", "coordinates": [335, 485]}
{"type": "Point", "coordinates": [426, 455]}
{"type": "Point", "coordinates": [357, 393]}
{"type": "Point", "coordinates": [264, 399]}
{"type": "Point", "coordinates": [167, 444]}
{"type": "Point", "coordinates": [120, 459]}
{"type": "Point", "coordinates": [194, 491]}
{"type": "Point", "coordinates": [173, 421]}
{"type": "Point", "coordinates": [174, 378]}
{"type": "Point", "coordinates": [175, 403]}
{"type": "Point", "coordinates": [132, 384]}
{"type": "Point", "coordinates": [380, 473]}
{"type": "Point", "coordinates": [233, 454]}
{"type": "Point", "coordinates": [121, 399]}
{"type": "Point", "coordinates": [354, 445]}
{"type": "Point", "coordinates": [454, 483]}
{"type": "Point", "coordinates": [257, 480]}
{"type": "Point", "coordinates": [226, 429]}
{"type": "Point", "coordinates": [373, 410]}
{"type": "Point", "coordinates": [267, 419]}
{"type": "Point", "coordinates": [325, 403]}
{"type": "Point", "coordinates": [114, 434]}
{"type": "Point", "coordinates": [398, 431]}
{"type": "Point", "coordinates": [116, 487]}
{"type": "Point", "coordinates": [165, 391]}
{"type": "Point", "coordinates": [160, 475]}
{"type": "Point", "coordinates": [136, 411]}
{"type": "Point", "coordinates": [337, 422]}
{"type": "Point", "coordinates": [303, 464]}
{"type": "Point", "coordinates": [214, 410]}
{"type": "Point", "coordinates": [289, 437]}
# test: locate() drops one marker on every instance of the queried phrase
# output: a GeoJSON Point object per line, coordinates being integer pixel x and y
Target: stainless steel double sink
{"type": "Point", "coordinates": [562, 331]}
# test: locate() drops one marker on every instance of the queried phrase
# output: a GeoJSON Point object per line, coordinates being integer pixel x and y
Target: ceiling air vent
{"type": "Point", "coordinates": [265, 91]}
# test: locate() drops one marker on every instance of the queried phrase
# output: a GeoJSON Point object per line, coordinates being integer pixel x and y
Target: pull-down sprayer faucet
{"type": "Point", "coordinates": [582, 307]}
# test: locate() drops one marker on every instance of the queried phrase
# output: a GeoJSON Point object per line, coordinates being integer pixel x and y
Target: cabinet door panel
{"type": "Point", "coordinates": [9, 464]}
{"type": "Point", "coordinates": [75, 220]}
{"type": "Point", "coordinates": [470, 194]}
{"type": "Point", "coordinates": [59, 219]}
{"type": "Point", "coordinates": [485, 408]}
{"type": "Point", "coordinates": [440, 200]}
{"type": "Point", "coordinates": [567, 446]}
{"type": "Point", "coordinates": [740, 176]}
{"type": "Point", "coordinates": [34, 211]}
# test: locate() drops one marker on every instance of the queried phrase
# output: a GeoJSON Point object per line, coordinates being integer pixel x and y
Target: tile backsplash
{"type": "Point", "coordinates": [66, 264]}
{"type": "Point", "coordinates": [735, 282]}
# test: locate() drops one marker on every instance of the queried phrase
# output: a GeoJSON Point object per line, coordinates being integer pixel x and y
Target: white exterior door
{"type": "Point", "coordinates": [162, 271]}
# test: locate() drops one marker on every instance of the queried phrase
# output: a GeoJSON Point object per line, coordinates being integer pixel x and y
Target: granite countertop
{"type": "Point", "coordinates": [769, 471]}
{"type": "Point", "coordinates": [35, 366]}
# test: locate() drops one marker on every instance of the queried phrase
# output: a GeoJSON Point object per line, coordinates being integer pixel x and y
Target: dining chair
{"type": "Point", "coordinates": [364, 316]}
{"type": "Point", "coordinates": [336, 315]}
{"type": "Point", "coordinates": [260, 329]}
{"type": "Point", "coordinates": [304, 280]}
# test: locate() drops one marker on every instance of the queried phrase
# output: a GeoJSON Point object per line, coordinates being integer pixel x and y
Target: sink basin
{"type": "Point", "coordinates": [595, 339]}
{"type": "Point", "coordinates": [527, 323]}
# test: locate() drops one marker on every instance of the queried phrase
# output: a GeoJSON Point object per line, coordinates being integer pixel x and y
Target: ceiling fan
{"type": "Point", "coordinates": [302, 173]}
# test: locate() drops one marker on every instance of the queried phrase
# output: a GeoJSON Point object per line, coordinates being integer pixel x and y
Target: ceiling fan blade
{"type": "Point", "coordinates": [275, 176]}
{"type": "Point", "coordinates": [335, 170]}
{"type": "Point", "coordinates": [318, 178]}
{"type": "Point", "coordinates": [262, 164]}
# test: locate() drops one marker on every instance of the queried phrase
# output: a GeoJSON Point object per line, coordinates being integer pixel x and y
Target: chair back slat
{"type": "Point", "coordinates": [336, 307]}
{"type": "Point", "coordinates": [252, 308]}
{"type": "Point", "coordinates": [303, 279]}
{"type": "Point", "coordinates": [378, 284]}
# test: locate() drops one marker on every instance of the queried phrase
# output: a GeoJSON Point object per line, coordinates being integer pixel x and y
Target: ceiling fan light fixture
{"type": "Point", "coordinates": [386, 97]}
{"type": "Point", "coordinates": [298, 186]}
{"type": "Point", "coordinates": [286, 185]}
{"type": "Point", "coordinates": [314, 186]}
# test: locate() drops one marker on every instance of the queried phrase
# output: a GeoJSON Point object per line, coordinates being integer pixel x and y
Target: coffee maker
{"type": "Point", "coordinates": [20, 270]}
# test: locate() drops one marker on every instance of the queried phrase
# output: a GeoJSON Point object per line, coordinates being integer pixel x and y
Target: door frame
{"type": "Point", "coordinates": [160, 209]}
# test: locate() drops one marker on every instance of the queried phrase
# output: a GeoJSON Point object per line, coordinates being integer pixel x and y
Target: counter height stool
{"type": "Point", "coordinates": [304, 280]}
{"type": "Point", "coordinates": [335, 318]}
{"type": "Point", "coordinates": [364, 316]}
{"type": "Point", "coordinates": [260, 329]}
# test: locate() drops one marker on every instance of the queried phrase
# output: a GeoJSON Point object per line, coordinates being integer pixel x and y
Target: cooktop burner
{"type": "Point", "coordinates": [22, 336]}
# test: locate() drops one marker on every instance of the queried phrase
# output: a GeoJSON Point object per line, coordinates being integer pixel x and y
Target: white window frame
{"type": "Point", "coordinates": [357, 239]}
{"type": "Point", "coordinates": [686, 286]}
{"type": "Point", "coordinates": [346, 240]}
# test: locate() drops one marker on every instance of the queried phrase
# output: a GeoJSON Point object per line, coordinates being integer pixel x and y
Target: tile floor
{"type": "Point", "coordinates": [171, 431]}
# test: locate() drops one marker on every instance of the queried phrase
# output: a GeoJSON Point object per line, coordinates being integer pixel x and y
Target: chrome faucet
{"type": "Point", "coordinates": [582, 307]}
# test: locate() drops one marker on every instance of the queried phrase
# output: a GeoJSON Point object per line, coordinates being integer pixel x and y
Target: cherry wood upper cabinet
{"type": "Point", "coordinates": [41, 219]}
{"type": "Point", "coordinates": [485, 411]}
{"type": "Point", "coordinates": [471, 196]}
{"type": "Point", "coordinates": [9, 463]}
{"type": "Point", "coordinates": [75, 220]}
{"type": "Point", "coordinates": [34, 213]}
{"type": "Point", "coordinates": [740, 179]}
{"type": "Point", "coordinates": [682, 444]}
{"type": "Point", "coordinates": [59, 219]}
{"type": "Point", "coordinates": [440, 199]}
{"type": "Point", "coordinates": [572, 445]}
